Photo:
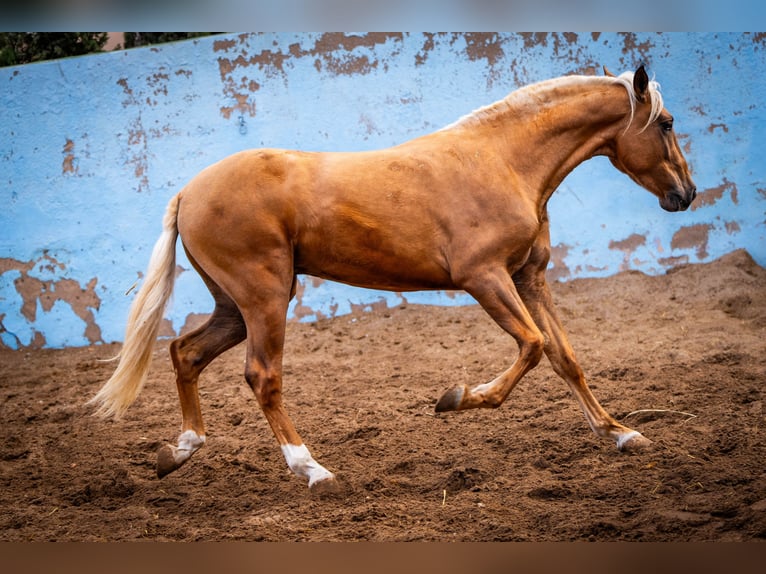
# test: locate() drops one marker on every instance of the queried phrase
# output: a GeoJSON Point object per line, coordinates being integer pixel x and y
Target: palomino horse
{"type": "Point", "coordinates": [462, 208]}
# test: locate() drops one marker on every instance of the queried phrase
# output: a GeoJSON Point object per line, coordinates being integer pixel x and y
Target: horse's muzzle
{"type": "Point", "coordinates": [679, 200]}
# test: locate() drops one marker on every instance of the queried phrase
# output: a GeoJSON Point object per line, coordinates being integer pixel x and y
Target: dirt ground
{"type": "Point", "coordinates": [680, 357]}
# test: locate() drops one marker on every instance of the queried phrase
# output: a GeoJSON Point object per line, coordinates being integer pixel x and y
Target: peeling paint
{"type": "Point", "coordinates": [692, 237]}
{"type": "Point", "coordinates": [712, 127]}
{"type": "Point", "coordinates": [80, 218]}
{"type": "Point", "coordinates": [557, 268]}
{"type": "Point", "coordinates": [628, 246]}
{"type": "Point", "coordinates": [712, 195]}
{"type": "Point", "coordinates": [641, 48]}
{"type": "Point", "coordinates": [68, 165]}
{"type": "Point", "coordinates": [37, 294]}
{"type": "Point", "coordinates": [429, 42]}
{"type": "Point", "coordinates": [333, 53]}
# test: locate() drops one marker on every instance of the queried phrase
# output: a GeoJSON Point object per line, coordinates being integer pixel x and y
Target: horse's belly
{"type": "Point", "coordinates": [371, 268]}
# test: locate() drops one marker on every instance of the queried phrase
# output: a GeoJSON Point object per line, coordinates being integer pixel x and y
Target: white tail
{"type": "Point", "coordinates": [146, 312]}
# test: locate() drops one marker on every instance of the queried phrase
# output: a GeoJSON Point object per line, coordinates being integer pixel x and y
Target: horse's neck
{"type": "Point", "coordinates": [549, 130]}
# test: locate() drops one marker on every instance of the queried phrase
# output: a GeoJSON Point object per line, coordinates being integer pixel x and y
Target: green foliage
{"type": "Point", "coordinates": [27, 47]}
{"type": "Point", "coordinates": [138, 39]}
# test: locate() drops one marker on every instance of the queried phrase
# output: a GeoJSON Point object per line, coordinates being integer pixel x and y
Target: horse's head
{"type": "Point", "coordinates": [648, 150]}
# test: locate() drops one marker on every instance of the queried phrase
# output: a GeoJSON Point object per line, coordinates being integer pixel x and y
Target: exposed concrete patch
{"type": "Point", "coordinates": [157, 121]}
{"type": "Point", "coordinates": [334, 53]}
{"type": "Point", "coordinates": [628, 246]}
{"type": "Point", "coordinates": [428, 45]}
{"type": "Point", "coordinates": [486, 46]}
{"type": "Point", "coordinates": [137, 154]}
{"type": "Point", "coordinates": [641, 51]}
{"type": "Point", "coordinates": [712, 195]}
{"type": "Point", "coordinates": [558, 269]}
{"type": "Point", "coordinates": [68, 166]}
{"type": "Point", "coordinates": [36, 293]}
{"type": "Point", "coordinates": [692, 237]}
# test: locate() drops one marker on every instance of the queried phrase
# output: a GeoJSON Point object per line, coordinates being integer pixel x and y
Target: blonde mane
{"type": "Point", "coordinates": [530, 95]}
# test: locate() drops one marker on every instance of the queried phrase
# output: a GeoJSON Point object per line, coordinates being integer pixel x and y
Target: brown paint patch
{"type": "Point", "coordinates": [630, 44]}
{"type": "Point", "coordinates": [723, 127]}
{"type": "Point", "coordinates": [333, 41]}
{"type": "Point", "coordinates": [711, 195]}
{"type": "Point", "coordinates": [47, 293]}
{"type": "Point", "coordinates": [692, 237]}
{"type": "Point", "coordinates": [138, 155]}
{"type": "Point", "coordinates": [68, 165]}
{"type": "Point", "coordinates": [422, 56]}
{"type": "Point", "coordinates": [484, 46]}
{"type": "Point", "coordinates": [534, 39]}
{"type": "Point", "coordinates": [345, 65]}
{"type": "Point", "coordinates": [224, 45]}
{"type": "Point", "coordinates": [8, 264]}
{"type": "Point", "coordinates": [124, 83]}
{"type": "Point", "coordinates": [488, 47]}
{"type": "Point", "coordinates": [628, 246]}
{"type": "Point", "coordinates": [559, 269]}
{"type": "Point", "coordinates": [300, 310]}
{"type": "Point", "coordinates": [699, 110]}
{"type": "Point", "coordinates": [732, 227]}
{"type": "Point", "coordinates": [333, 53]}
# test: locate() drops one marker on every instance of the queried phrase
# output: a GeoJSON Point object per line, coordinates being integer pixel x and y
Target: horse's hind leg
{"type": "Point", "coordinates": [265, 315]}
{"type": "Point", "coordinates": [191, 353]}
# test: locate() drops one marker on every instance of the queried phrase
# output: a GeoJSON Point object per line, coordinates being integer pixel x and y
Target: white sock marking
{"type": "Point", "coordinates": [624, 438]}
{"type": "Point", "coordinates": [301, 462]}
{"type": "Point", "coordinates": [188, 443]}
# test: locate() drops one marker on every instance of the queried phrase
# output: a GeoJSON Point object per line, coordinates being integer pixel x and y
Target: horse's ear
{"type": "Point", "coordinates": [608, 73]}
{"type": "Point", "coordinates": [641, 83]}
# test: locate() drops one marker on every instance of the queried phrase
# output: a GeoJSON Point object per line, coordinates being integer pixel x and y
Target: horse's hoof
{"type": "Point", "coordinates": [450, 401]}
{"type": "Point", "coordinates": [166, 460]}
{"type": "Point", "coordinates": [633, 442]}
{"type": "Point", "coordinates": [325, 487]}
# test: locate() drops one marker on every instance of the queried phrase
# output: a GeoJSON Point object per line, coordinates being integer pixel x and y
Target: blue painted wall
{"type": "Point", "coordinates": [92, 148]}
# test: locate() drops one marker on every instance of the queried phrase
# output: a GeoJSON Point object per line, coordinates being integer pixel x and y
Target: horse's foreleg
{"type": "Point", "coordinates": [191, 353]}
{"type": "Point", "coordinates": [263, 372]}
{"type": "Point", "coordinates": [498, 296]}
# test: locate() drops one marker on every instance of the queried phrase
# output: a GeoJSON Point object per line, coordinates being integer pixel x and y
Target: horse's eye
{"type": "Point", "coordinates": [667, 126]}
